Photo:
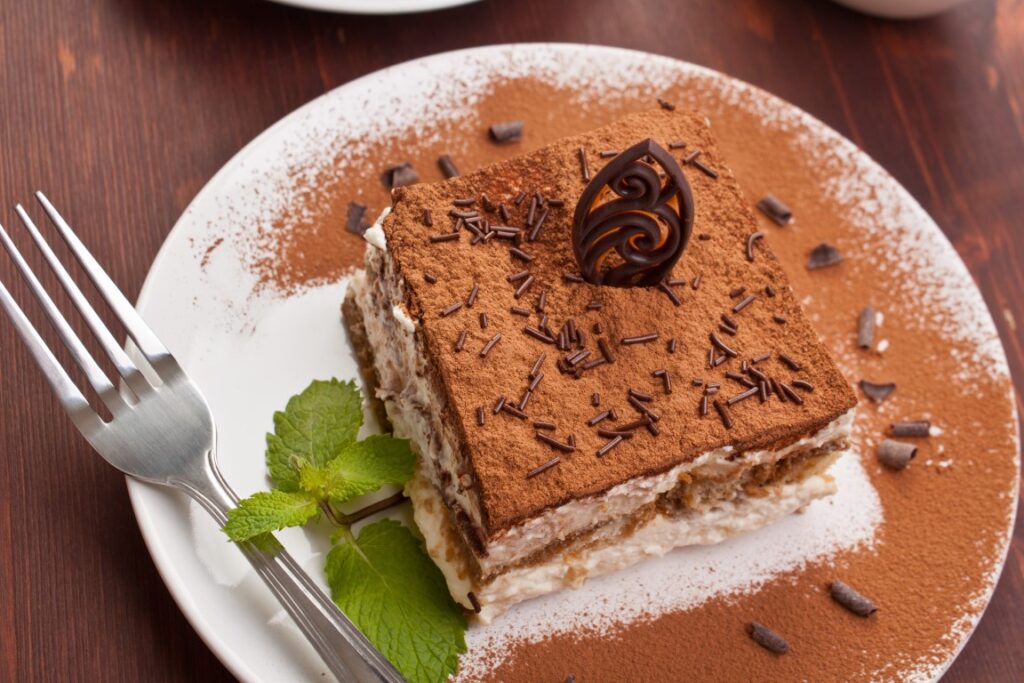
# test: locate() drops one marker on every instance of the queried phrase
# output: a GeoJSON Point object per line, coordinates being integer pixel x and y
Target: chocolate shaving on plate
{"type": "Point", "coordinates": [823, 256]}
{"type": "Point", "coordinates": [354, 220]}
{"type": "Point", "coordinates": [768, 639]}
{"type": "Point", "coordinates": [851, 599]}
{"type": "Point", "coordinates": [506, 131]}
{"type": "Point", "coordinates": [447, 166]}
{"type": "Point", "coordinates": [911, 428]}
{"type": "Point", "coordinates": [399, 176]}
{"type": "Point", "coordinates": [866, 328]}
{"type": "Point", "coordinates": [895, 454]}
{"type": "Point", "coordinates": [774, 208]}
{"type": "Point", "coordinates": [875, 391]}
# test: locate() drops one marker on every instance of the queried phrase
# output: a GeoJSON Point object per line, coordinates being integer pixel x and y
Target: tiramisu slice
{"type": "Point", "coordinates": [597, 358]}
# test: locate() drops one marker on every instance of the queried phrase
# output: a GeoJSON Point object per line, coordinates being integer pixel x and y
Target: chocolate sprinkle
{"type": "Point", "coordinates": [461, 341]}
{"type": "Point", "coordinates": [451, 308]}
{"type": "Point", "coordinates": [768, 639]}
{"type": "Point", "coordinates": [722, 346]}
{"type": "Point", "coordinates": [546, 466]}
{"type": "Point", "coordinates": [896, 454]}
{"type": "Point", "coordinates": [430, 279]}
{"type": "Point", "coordinates": [911, 429]}
{"type": "Point", "coordinates": [823, 256]}
{"type": "Point", "coordinates": [595, 399]}
{"type": "Point", "coordinates": [513, 411]}
{"type": "Point", "coordinates": [672, 345]}
{"type": "Point", "coordinates": [793, 365]}
{"type": "Point", "coordinates": [520, 254]}
{"type": "Point", "coordinates": [742, 397]}
{"type": "Point", "coordinates": [703, 405]}
{"type": "Point", "coordinates": [666, 381]}
{"type": "Point", "coordinates": [640, 339]}
{"type": "Point", "coordinates": [603, 450]}
{"type": "Point", "coordinates": [673, 297]}
{"type": "Point", "coordinates": [523, 287]}
{"type": "Point", "coordinates": [471, 299]}
{"type": "Point", "coordinates": [551, 426]}
{"type": "Point", "coordinates": [555, 443]}
{"type": "Point", "coordinates": [769, 291]}
{"type": "Point", "coordinates": [772, 206]}
{"type": "Point", "coordinates": [875, 391]}
{"type": "Point", "coordinates": [536, 364]}
{"type": "Point", "coordinates": [483, 321]}
{"type": "Point", "coordinates": [758, 359]}
{"type": "Point", "coordinates": [723, 412]}
{"type": "Point", "coordinates": [519, 310]}
{"type": "Point", "coordinates": [428, 218]}
{"type": "Point", "coordinates": [750, 244]}
{"type": "Point", "coordinates": [707, 170]}
{"type": "Point", "coordinates": [584, 167]}
{"type": "Point", "coordinates": [490, 345]}
{"type": "Point", "coordinates": [696, 282]}
{"type": "Point", "coordinates": [790, 394]}
{"type": "Point", "coordinates": [354, 219]}
{"type": "Point", "coordinates": [600, 417]}
{"type": "Point", "coordinates": [743, 304]}
{"type": "Point", "coordinates": [737, 292]}
{"type": "Point", "coordinates": [499, 405]}
{"type": "Point", "coordinates": [605, 351]}
{"type": "Point", "coordinates": [480, 419]}
{"type": "Point", "coordinates": [779, 319]}
{"type": "Point", "coordinates": [445, 237]}
{"type": "Point", "coordinates": [506, 132]}
{"type": "Point", "coordinates": [866, 328]}
{"type": "Point", "coordinates": [851, 599]}
{"type": "Point", "coordinates": [803, 384]}
{"type": "Point", "coordinates": [668, 106]}
{"type": "Point", "coordinates": [447, 166]}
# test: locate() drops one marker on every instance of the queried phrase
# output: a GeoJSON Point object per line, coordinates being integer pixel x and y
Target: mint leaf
{"type": "Point", "coordinates": [268, 511]}
{"type": "Point", "coordinates": [359, 468]}
{"type": "Point", "coordinates": [387, 584]}
{"type": "Point", "coordinates": [312, 429]}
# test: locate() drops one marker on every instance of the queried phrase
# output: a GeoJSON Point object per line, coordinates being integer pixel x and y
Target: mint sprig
{"type": "Point", "coordinates": [382, 577]}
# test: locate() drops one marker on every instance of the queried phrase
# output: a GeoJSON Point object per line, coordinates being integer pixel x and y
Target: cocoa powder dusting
{"type": "Point", "coordinates": [945, 515]}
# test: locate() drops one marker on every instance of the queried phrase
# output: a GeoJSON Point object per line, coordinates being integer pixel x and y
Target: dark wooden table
{"type": "Point", "coordinates": [127, 107]}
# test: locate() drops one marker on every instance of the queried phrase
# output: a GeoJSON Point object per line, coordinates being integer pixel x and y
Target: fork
{"type": "Point", "coordinates": [162, 432]}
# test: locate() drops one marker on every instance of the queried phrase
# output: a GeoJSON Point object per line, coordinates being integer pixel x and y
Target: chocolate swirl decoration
{"type": "Point", "coordinates": [629, 229]}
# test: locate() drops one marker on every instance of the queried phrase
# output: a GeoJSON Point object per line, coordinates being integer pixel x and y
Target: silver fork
{"type": "Point", "coordinates": [162, 432]}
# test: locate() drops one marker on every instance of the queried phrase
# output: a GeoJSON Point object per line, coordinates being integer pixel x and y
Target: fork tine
{"type": "Point", "coordinates": [93, 372]}
{"type": "Point", "coordinates": [125, 367]}
{"type": "Point", "coordinates": [67, 392]}
{"type": "Point", "coordinates": [148, 344]}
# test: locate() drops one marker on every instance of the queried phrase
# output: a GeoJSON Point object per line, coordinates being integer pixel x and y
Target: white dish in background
{"type": "Point", "coordinates": [375, 6]}
{"type": "Point", "coordinates": [243, 351]}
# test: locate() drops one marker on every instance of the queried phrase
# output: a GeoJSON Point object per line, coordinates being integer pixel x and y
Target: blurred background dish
{"type": "Point", "coordinates": [375, 6]}
{"type": "Point", "coordinates": [900, 9]}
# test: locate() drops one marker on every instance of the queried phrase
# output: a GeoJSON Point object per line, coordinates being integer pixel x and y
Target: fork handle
{"type": "Point", "coordinates": [348, 654]}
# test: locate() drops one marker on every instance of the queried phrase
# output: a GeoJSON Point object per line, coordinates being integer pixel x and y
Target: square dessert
{"type": "Point", "coordinates": [579, 398]}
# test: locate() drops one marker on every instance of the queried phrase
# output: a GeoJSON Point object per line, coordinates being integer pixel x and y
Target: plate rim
{"type": "Point", "coordinates": [137, 490]}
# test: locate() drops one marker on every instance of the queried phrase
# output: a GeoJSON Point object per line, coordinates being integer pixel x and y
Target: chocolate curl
{"type": "Point", "coordinates": [629, 230]}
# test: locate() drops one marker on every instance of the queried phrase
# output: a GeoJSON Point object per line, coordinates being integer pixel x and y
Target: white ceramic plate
{"type": "Point", "coordinates": [250, 352]}
{"type": "Point", "coordinates": [376, 6]}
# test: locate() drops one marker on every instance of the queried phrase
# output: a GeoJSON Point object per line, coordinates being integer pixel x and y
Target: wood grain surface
{"type": "Point", "coordinates": [122, 109]}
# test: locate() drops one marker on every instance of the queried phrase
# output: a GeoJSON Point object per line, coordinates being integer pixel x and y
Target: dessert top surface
{"type": "Point", "coordinates": [658, 348]}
